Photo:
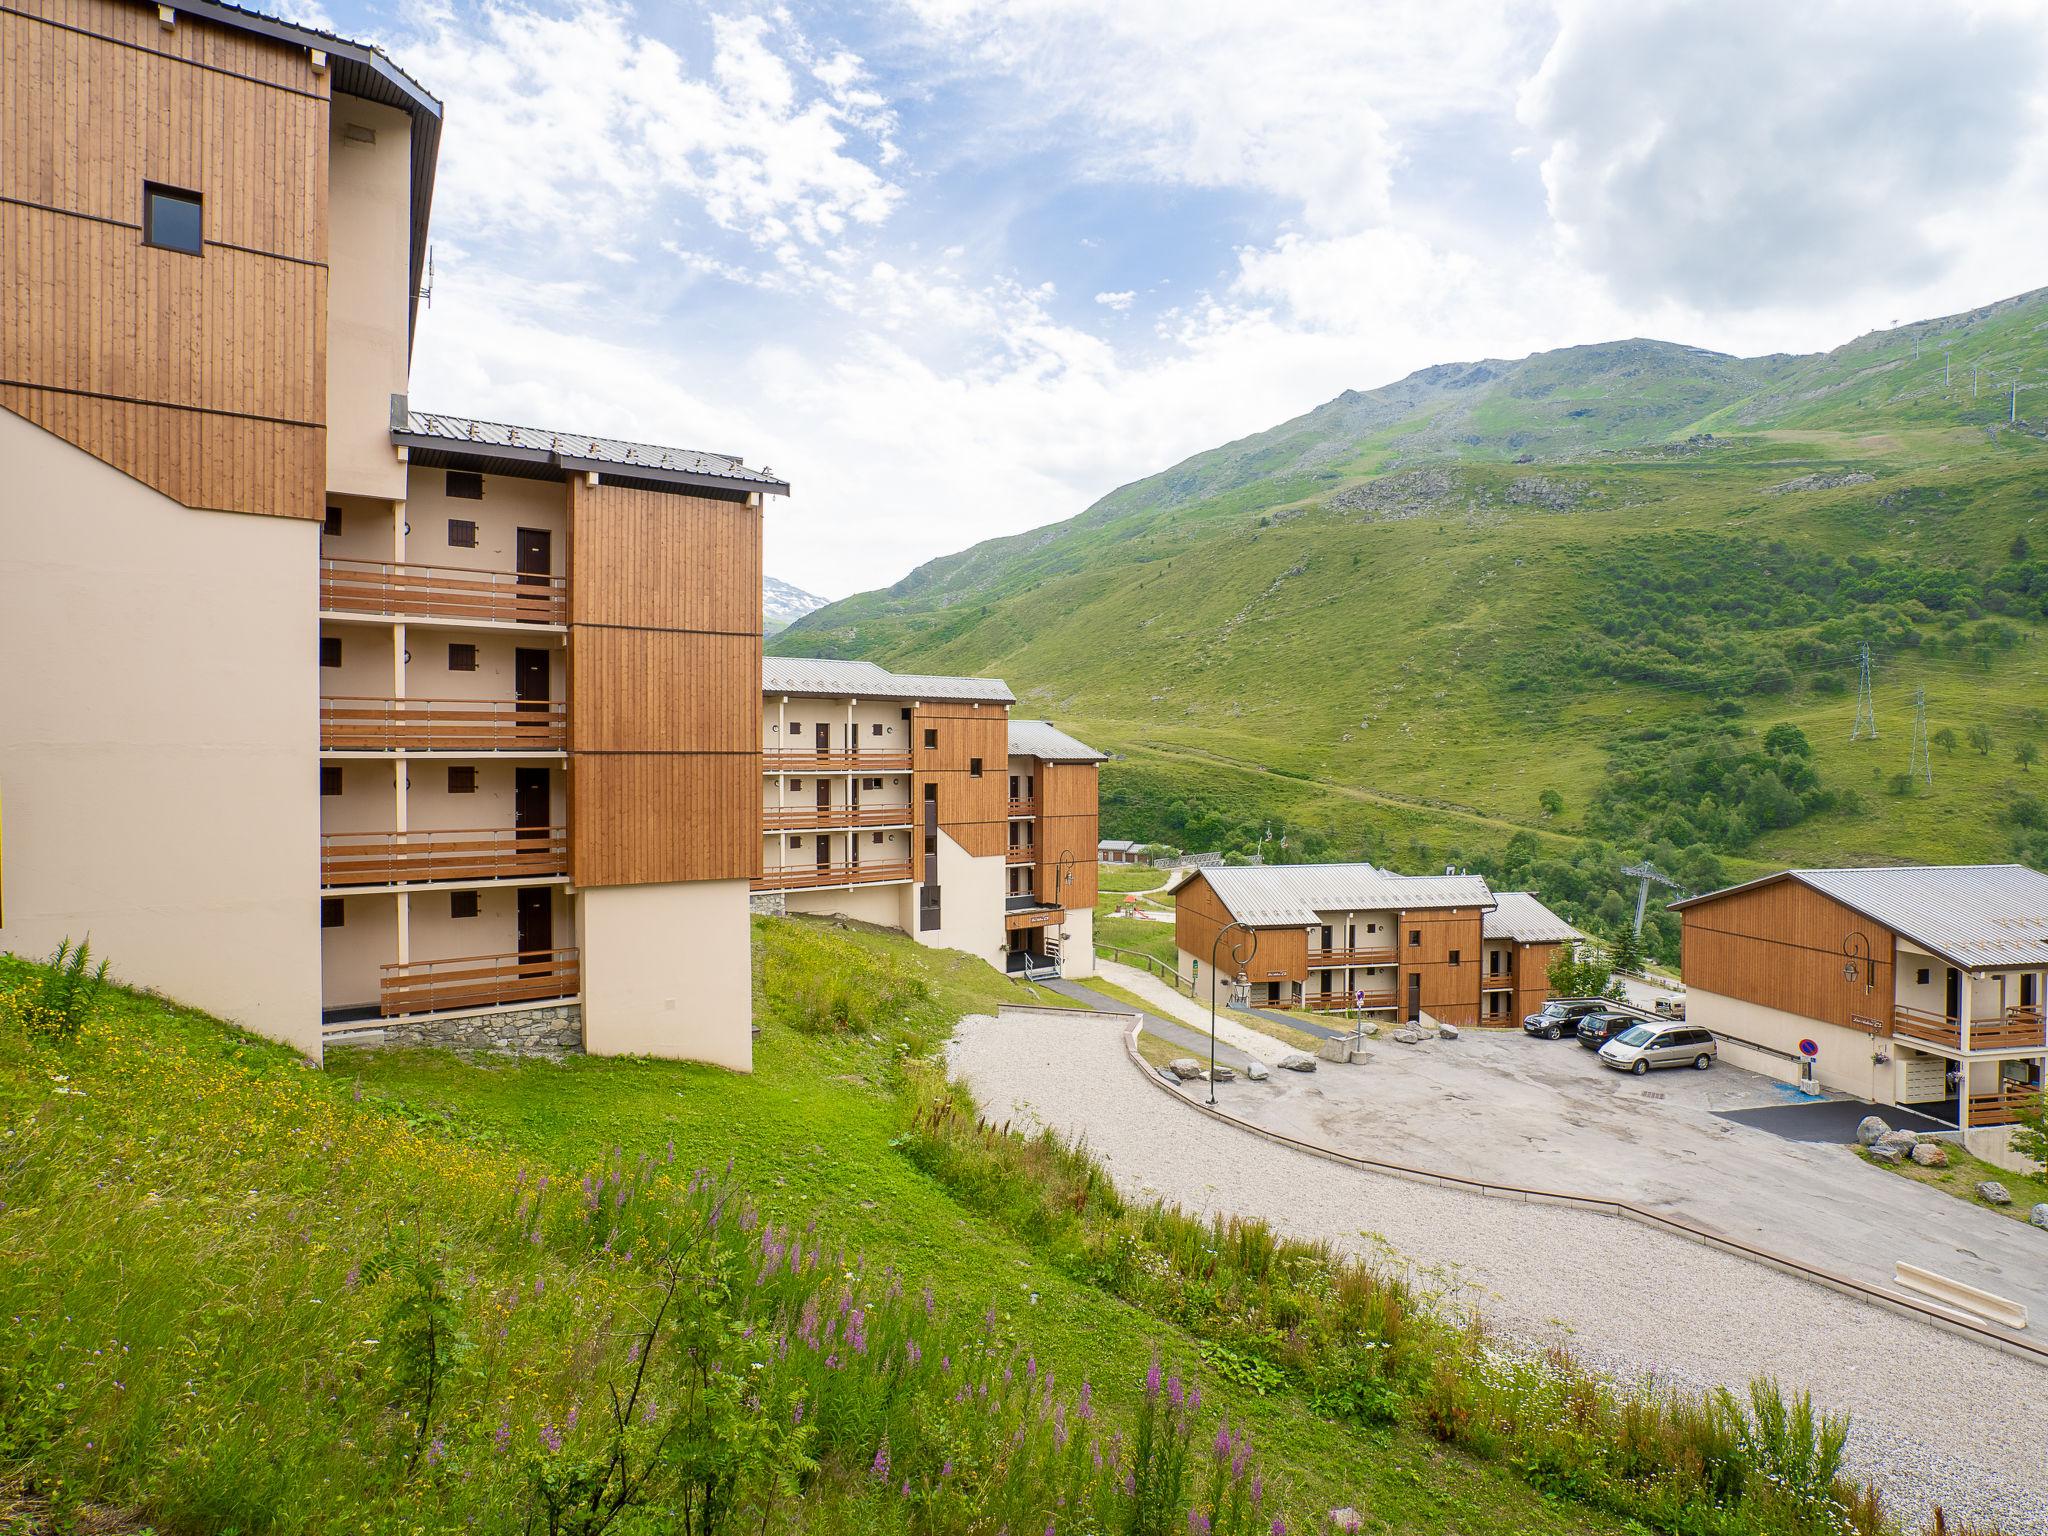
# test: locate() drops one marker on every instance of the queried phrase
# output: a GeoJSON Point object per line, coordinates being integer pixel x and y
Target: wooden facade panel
{"type": "Point", "coordinates": [1068, 822]}
{"type": "Point", "coordinates": [1532, 976]}
{"type": "Point", "coordinates": [664, 717]}
{"type": "Point", "coordinates": [1781, 946]}
{"type": "Point", "coordinates": [203, 376]}
{"type": "Point", "coordinates": [658, 690]}
{"type": "Point", "coordinates": [1449, 988]}
{"type": "Point", "coordinates": [657, 817]}
{"type": "Point", "coordinates": [1199, 916]}
{"type": "Point", "coordinates": [655, 560]}
{"type": "Point", "coordinates": [973, 811]}
{"type": "Point", "coordinates": [217, 462]}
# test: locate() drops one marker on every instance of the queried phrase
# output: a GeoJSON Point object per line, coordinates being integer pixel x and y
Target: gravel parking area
{"type": "Point", "coordinates": [1937, 1418]}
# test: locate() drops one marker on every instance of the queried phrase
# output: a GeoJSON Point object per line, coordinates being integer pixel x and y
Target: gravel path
{"type": "Point", "coordinates": [1164, 999]}
{"type": "Point", "coordinates": [1937, 1418]}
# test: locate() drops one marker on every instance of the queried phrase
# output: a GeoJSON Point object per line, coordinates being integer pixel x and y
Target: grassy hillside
{"type": "Point", "coordinates": [1420, 608]}
{"type": "Point", "coordinates": [419, 1294]}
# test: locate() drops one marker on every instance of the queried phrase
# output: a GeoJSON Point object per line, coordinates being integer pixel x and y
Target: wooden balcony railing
{"type": "Point", "coordinates": [1023, 807]}
{"type": "Point", "coordinates": [402, 858]}
{"type": "Point", "coordinates": [1324, 959]}
{"type": "Point", "coordinates": [1024, 855]}
{"type": "Point", "coordinates": [2002, 1108]}
{"type": "Point", "coordinates": [797, 877]}
{"type": "Point", "coordinates": [477, 981]}
{"type": "Point", "coordinates": [2001, 1031]}
{"type": "Point", "coordinates": [787, 817]}
{"type": "Point", "coordinates": [442, 725]}
{"type": "Point", "coordinates": [1503, 982]}
{"type": "Point", "coordinates": [404, 590]}
{"type": "Point", "coordinates": [1337, 1002]}
{"type": "Point", "coordinates": [774, 760]}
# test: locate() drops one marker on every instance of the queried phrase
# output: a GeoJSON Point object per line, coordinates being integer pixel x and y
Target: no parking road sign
{"type": "Point", "coordinates": [1808, 1048]}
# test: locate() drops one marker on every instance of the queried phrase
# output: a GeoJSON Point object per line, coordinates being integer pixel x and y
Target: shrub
{"type": "Point", "coordinates": [55, 1003]}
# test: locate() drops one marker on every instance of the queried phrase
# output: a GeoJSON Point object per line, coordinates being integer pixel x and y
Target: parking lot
{"type": "Point", "coordinates": [1542, 1114]}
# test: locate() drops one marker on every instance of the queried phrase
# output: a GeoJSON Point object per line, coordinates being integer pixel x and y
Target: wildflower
{"type": "Point", "coordinates": [1152, 1380]}
{"type": "Point", "coordinates": [796, 1412]}
{"type": "Point", "coordinates": [633, 1352]}
{"type": "Point", "coordinates": [881, 1465]}
{"type": "Point", "coordinates": [911, 1350]}
{"type": "Point", "coordinates": [572, 1418]}
{"type": "Point", "coordinates": [947, 1469]}
{"type": "Point", "coordinates": [906, 1488]}
{"type": "Point", "coordinates": [649, 1415]}
{"type": "Point", "coordinates": [1084, 1410]}
{"type": "Point", "coordinates": [1198, 1523]}
{"type": "Point", "coordinates": [355, 1273]}
{"type": "Point", "coordinates": [1279, 1527]}
{"type": "Point", "coordinates": [436, 1451]}
{"type": "Point", "coordinates": [539, 1284]}
{"type": "Point", "coordinates": [504, 1434]}
{"type": "Point", "coordinates": [857, 1331]}
{"type": "Point", "coordinates": [551, 1437]}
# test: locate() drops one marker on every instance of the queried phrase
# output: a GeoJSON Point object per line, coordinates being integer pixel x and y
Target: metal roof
{"type": "Point", "coordinates": [1976, 916]}
{"type": "Point", "coordinates": [1296, 895]}
{"type": "Point", "coordinates": [499, 447]}
{"type": "Point", "coordinates": [1042, 739]}
{"type": "Point", "coordinates": [366, 72]}
{"type": "Point", "coordinates": [823, 677]}
{"type": "Point", "coordinates": [1119, 844]}
{"type": "Point", "coordinates": [1519, 917]}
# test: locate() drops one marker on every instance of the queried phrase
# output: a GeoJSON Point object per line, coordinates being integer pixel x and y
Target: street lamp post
{"type": "Point", "coordinates": [1062, 872]}
{"type": "Point", "coordinates": [1239, 957]}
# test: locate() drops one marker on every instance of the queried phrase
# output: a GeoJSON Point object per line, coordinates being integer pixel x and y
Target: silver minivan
{"type": "Point", "coordinates": [1660, 1045]}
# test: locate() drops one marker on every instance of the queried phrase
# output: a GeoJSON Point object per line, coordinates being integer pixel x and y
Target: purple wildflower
{"type": "Point", "coordinates": [881, 1466]}
{"type": "Point", "coordinates": [1279, 1527]}
{"type": "Point", "coordinates": [504, 1434]}
{"type": "Point", "coordinates": [1221, 1449]}
{"type": "Point", "coordinates": [1198, 1523]}
{"type": "Point", "coordinates": [436, 1451]}
{"type": "Point", "coordinates": [906, 1488]}
{"type": "Point", "coordinates": [1152, 1379]}
{"type": "Point", "coordinates": [355, 1273]}
{"type": "Point", "coordinates": [551, 1437]}
{"type": "Point", "coordinates": [1085, 1409]}
{"type": "Point", "coordinates": [947, 1469]}
{"type": "Point", "coordinates": [572, 1417]}
{"type": "Point", "coordinates": [857, 1331]}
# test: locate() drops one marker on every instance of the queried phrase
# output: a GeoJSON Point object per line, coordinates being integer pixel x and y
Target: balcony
{"type": "Point", "coordinates": [2002, 1108]}
{"type": "Point", "coordinates": [2015, 1027]}
{"type": "Point", "coordinates": [774, 760]}
{"type": "Point", "coordinates": [1337, 1002]}
{"type": "Point", "coordinates": [783, 818]}
{"type": "Point", "coordinates": [1019, 808]}
{"type": "Point", "coordinates": [476, 981]}
{"type": "Point", "coordinates": [799, 877]}
{"type": "Point", "coordinates": [1324, 959]}
{"type": "Point", "coordinates": [442, 725]}
{"type": "Point", "coordinates": [398, 590]}
{"type": "Point", "coordinates": [407, 858]}
{"type": "Point", "coordinates": [1503, 982]}
{"type": "Point", "coordinates": [1025, 854]}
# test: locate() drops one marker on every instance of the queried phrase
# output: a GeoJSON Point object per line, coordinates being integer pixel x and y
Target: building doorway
{"type": "Point", "coordinates": [530, 797]}
{"type": "Point", "coordinates": [1414, 997]}
{"type": "Point", "coordinates": [536, 921]}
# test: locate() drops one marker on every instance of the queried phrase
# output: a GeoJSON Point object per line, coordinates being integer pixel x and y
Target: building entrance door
{"type": "Point", "coordinates": [536, 920]}
{"type": "Point", "coordinates": [1414, 997]}
{"type": "Point", "coordinates": [530, 677]}
{"type": "Point", "coordinates": [534, 556]}
{"type": "Point", "coordinates": [530, 801]}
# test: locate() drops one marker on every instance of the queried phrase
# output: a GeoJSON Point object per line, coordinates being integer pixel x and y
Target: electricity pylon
{"type": "Point", "coordinates": [1919, 765]}
{"type": "Point", "coordinates": [1866, 710]}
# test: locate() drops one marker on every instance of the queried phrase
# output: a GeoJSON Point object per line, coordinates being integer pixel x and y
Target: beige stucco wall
{"type": "Point", "coordinates": [1077, 950]}
{"type": "Point", "coordinates": [668, 971]}
{"type": "Point", "coordinates": [159, 737]}
{"type": "Point", "coordinates": [368, 529]}
{"type": "Point", "coordinates": [428, 676]}
{"type": "Point", "coordinates": [806, 711]}
{"type": "Point", "coordinates": [878, 904]}
{"type": "Point", "coordinates": [1845, 1061]}
{"type": "Point", "coordinates": [368, 293]}
{"type": "Point", "coordinates": [970, 903]}
{"type": "Point", "coordinates": [509, 503]}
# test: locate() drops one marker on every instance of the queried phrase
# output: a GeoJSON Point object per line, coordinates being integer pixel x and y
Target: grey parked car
{"type": "Point", "coordinates": [1557, 1018]}
{"type": "Point", "coordinates": [1659, 1045]}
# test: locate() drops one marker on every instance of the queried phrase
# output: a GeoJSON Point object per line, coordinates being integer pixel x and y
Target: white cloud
{"type": "Point", "coordinates": [1119, 300]}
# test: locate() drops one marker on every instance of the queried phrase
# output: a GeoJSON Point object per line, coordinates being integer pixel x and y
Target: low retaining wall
{"type": "Point", "coordinates": [768, 903]}
{"type": "Point", "coordinates": [548, 1031]}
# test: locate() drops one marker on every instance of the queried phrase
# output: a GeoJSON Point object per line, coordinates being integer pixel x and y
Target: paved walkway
{"type": "Point", "coordinates": [1143, 984]}
{"type": "Point", "coordinates": [1936, 1417]}
{"type": "Point", "coordinates": [1194, 1041]}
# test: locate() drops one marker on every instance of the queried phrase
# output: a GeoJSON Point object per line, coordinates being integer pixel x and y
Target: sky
{"type": "Point", "coordinates": [956, 268]}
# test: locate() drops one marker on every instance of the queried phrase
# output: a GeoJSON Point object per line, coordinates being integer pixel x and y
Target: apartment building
{"type": "Point", "coordinates": [323, 713]}
{"type": "Point", "coordinates": [1334, 937]}
{"type": "Point", "coordinates": [917, 803]}
{"type": "Point", "coordinates": [1919, 987]}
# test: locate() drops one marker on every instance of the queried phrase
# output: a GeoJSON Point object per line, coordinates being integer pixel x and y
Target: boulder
{"type": "Point", "coordinates": [1368, 1029]}
{"type": "Point", "coordinates": [1447, 1031]}
{"type": "Point", "coordinates": [1409, 1035]}
{"type": "Point", "coordinates": [1186, 1068]}
{"type": "Point", "coordinates": [1255, 1071]}
{"type": "Point", "coordinates": [1905, 1141]}
{"type": "Point", "coordinates": [1881, 1153]}
{"type": "Point", "coordinates": [1296, 1061]}
{"type": "Point", "coordinates": [2039, 1217]}
{"type": "Point", "coordinates": [1930, 1154]}
{"type": "Point", "coordinates": [1991, 1192]}
{"type": "Point", "coordinates": [1344, 1519]}
{"type": "Point", "coordinates": [1869, 1128]}
{"type": "Point", "coordinates": [1223, 1074]}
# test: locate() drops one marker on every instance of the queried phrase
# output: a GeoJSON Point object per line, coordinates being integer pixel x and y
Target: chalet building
{"type": "Point", "coordinates": [1331, 937]}
{"type": "Point", "coordinates": [1919, 987]}
{"type": "Point", "coordinates": [321, 712]}
{"type": "Point", "coordinates": [917, 803]}
{"type": "Point", "coordinates": [1117, 850]}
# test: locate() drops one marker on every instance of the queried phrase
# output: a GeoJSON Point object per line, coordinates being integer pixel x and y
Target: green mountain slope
{"type": "Point", "coordinates": [1393, 623]}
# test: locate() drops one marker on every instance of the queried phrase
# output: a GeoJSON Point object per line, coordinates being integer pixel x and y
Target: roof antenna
{"type": "Point", "coordinates": [427, 290]}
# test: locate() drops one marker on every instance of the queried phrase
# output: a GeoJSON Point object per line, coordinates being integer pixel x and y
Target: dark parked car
{"type": "Point", "coordinates": [1558, 1018]}
{"type": "Point", "coordinates": [1596, 1029]}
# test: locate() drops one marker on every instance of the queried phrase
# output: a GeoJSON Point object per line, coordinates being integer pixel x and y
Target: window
{"type": "Point", "coordinates": [974, 767]}
{"type": "Point", "coordinates": [1454, 957]}
{"type": "Point", "coordinates": [906, 714]}
{"type": "Point", "coordinates": [170, 218]}
{"type": "Point", "coordinates": [462, 781]}
{"type": "Point", "coordinates": [878, 837]}
{"type": "Point", "coordinates": [465, 485]}
{"type": "Point", "coordinates": [870, 783]}
{"type": "Point", "coordinates": [330, 778]}
{"type": "Point", "coordinates": [463, 904]}
{"type": "Point", "coordinates": [331, 912]}
{"type": "Point", "coordinates": [461, 657]}
{"type": "Point", "coordinates": [332, 524]}
{"type": "Point", "coordinates": [1921, 975]}
{"type": "Point", "coordinates": [1415, 938]}
{"type": "Point", "coordinates": [461, 531]}
{"type": "Point", "coordinates": [330, 650]}
{"type": "Point", "coordinates": [931, 740]}
{"type": "Point", "coordinates": [795, 728]}
{"type": "Point", "coordinates": [876, 728]}
{"type": "Point", "coordinates": [796, 842]}
{"type": "Point", "coordinates": [796, 783]}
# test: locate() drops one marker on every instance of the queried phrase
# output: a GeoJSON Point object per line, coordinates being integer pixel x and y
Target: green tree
{"type": "Point", "coordinates": [2030, 1132]}
{"type": "Point", "coordinates": [1979, 736]}
{"type": "Point", "coordinates": [1627, 953]}
{"type": "Point", "coordinates": [2026, 754]}
{"type": "Point", "coordinates": [1786, 739]}
{"type": "Point", "coordinates": [1552, 802]}
{"type": "Point", "coordinates": [1590, 977]}
{"type": "Point", "coordinates": [1945, 739]}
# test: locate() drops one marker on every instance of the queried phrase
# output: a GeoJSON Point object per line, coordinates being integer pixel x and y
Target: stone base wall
{"type": "Point", "coordinates": [768, 903]}
{"type": "Point", "coordinates": [545, 1031]}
